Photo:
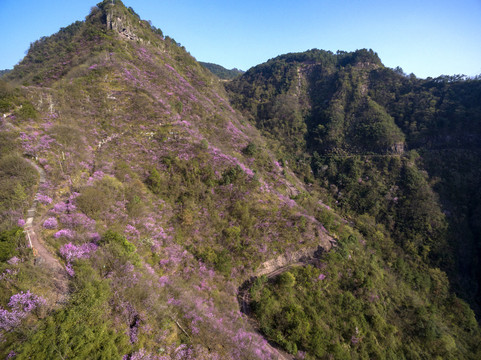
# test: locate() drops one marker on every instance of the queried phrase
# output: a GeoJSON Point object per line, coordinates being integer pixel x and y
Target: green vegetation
{"type": "Point", "coordinates": [11, 242]}
{"type": "Point", "coordinates": [3, 72]}
{"type": "Point", "coordinates": [17, 181]}
{"type": "Point", "coordinates": [161, 200]}
{"type": "Point", "coordinates": [366, 303]}
{"type": "Point", "coordinates": [221, 71]}
{"type": "Point", "coordinates": [81, 330]}
{"type": "Point", "coordinates": [343, 122]}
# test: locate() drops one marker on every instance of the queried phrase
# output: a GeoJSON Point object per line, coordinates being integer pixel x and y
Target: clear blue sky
{"type": "Point", "coordinates": [425, 37]}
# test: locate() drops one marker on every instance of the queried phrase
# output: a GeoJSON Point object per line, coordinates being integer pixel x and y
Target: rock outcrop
{"type": "Point", "coordinates": [118, 22]}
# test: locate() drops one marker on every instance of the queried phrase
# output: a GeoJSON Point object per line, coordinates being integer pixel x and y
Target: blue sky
{"type": "Point", "coordinates": [424, 37]}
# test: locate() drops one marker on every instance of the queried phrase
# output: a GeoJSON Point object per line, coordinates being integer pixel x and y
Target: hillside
{"type": "Point", "coordinates": [151, 203]}
{"type": "Point", "coordinates": [382, 146]}
{"type": "Point", "coordinates": [222, 72]}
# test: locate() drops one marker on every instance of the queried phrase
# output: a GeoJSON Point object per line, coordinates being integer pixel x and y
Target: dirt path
{"type": "Point", "coordinates": [43, 257]}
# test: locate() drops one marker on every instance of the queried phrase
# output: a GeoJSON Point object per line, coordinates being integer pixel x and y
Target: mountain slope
{"type": "Point", "coordinates": [151, 199]}
{"type": "Point", "coordinates": [161, 200]}
{"type": "Point", "coordinates": [222, 72]}
{"type": "Point", "coordinates": [332, 110]}
{"type": "Point", "coordinates": [355, 130]}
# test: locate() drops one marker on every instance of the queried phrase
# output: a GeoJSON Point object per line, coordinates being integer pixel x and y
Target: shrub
{"type": "Point", "coordinates": [250, 149]}
{"type": "Point", "coordinates": [95, 200]}
{"type": "Point", "coordinates": [154, 181]}
{"type": "Point", "coordinates": [10, 240]}
{"type": "Point", "coordinates": [67, 233]}
{"type": "Point", "coordinates": [27, 111]}
{"type": "Point", "coordinates": [112, 237]}
{"type": "Point", "coordinates": [79, 330]}
{"type": "Point", "coordinates": [287, 280]}
{"type": "Point", "coordinates": [50, 223]}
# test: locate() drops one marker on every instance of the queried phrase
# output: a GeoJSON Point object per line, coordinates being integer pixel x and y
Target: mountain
{"type": "Point", "coordinates": [3, 72]}
{"type": "Point", "coordinates": [222, 72]}
{"type": "Point", "coordinates": [165, 224]}
{"type": "Point", "coordinates": [404, 151]}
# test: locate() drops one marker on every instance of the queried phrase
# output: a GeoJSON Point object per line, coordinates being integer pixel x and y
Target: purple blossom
{"type": "Point", "coordinates": [72, 252]}
{"type": "Point", "coordinates": [21, 304]}
{"type": "Point", "coordinates": [354, 339]}
{"type": "Point", "coordinates": [21, 222]}
{"type": "Point", "coordinates": [69, 234]}
{"type": "Point", "coordinates": [77, 220]}
{"type": "Point", "coordinates": [10, 319]}
{"type": "Point", "coordinates": [44, 199]}
{"type": "Point", "coordinates": [144, 355]}
{"type": "Point", "coordinates": [163, 280]}
{"type": "Point", "coordinates": [50, 223]}
{"type": "Point", "coordinates": [322, 277]}
{"type": "Point", "coordinates": [301, 355]}
{"type": "Point", "coordinates": [98, 175]}
{"type": "Point", "coordinates": [70, 269]}
{"type": "Point", "coordinates": [133, 332]}
{"type": "Point", "coordinates": [94, 237]}
{"type": "Point", "coordinates": [132, 232]}
{"type": "Point", "coordinates": [62, 207]}
{"type": "Point", "coordinates": [26, 302]}
{"type": "Point", "coordinates": [13, 261]}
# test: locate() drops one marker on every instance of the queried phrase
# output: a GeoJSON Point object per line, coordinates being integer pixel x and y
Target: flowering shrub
{"type": "Point", "coordinates": [22, 304]}
{"type": "Point", "coordinates": [63, 207]}
{"type": "Point", "coordinates": [13, 261]}
{"type": "Point", "coordinates": [67, 233]}
{"type": "Point", "coordinates": [77, 220]}
{"type": "Point", "coordinates": [50, 223]}
{"type": "Point", "coordinates": [72, 252]}
{"type": "Point", "coordinates": [9, 319]}
{"type": "Point", "coordinates": [94, 237]}
{"type": "Point", "coordinates": [44, 199]}
{"type": "Point", "coordinates": [70, 270]}
{"type": "Point", "coordinates": [26, 302]}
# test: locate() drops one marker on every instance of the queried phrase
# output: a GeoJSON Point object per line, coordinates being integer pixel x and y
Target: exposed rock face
{"type": "Point", "coordinates": [119, 23]}
{"type": "Point", "coordinates": [301, 256]}
{"type": "Point", "coordinates": [397, 148]}
{"type": "Point", "coordinates": [366, 65]}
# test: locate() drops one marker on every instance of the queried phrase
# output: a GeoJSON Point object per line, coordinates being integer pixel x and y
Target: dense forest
{"type": "Point", "coordinates": [151, 210]}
